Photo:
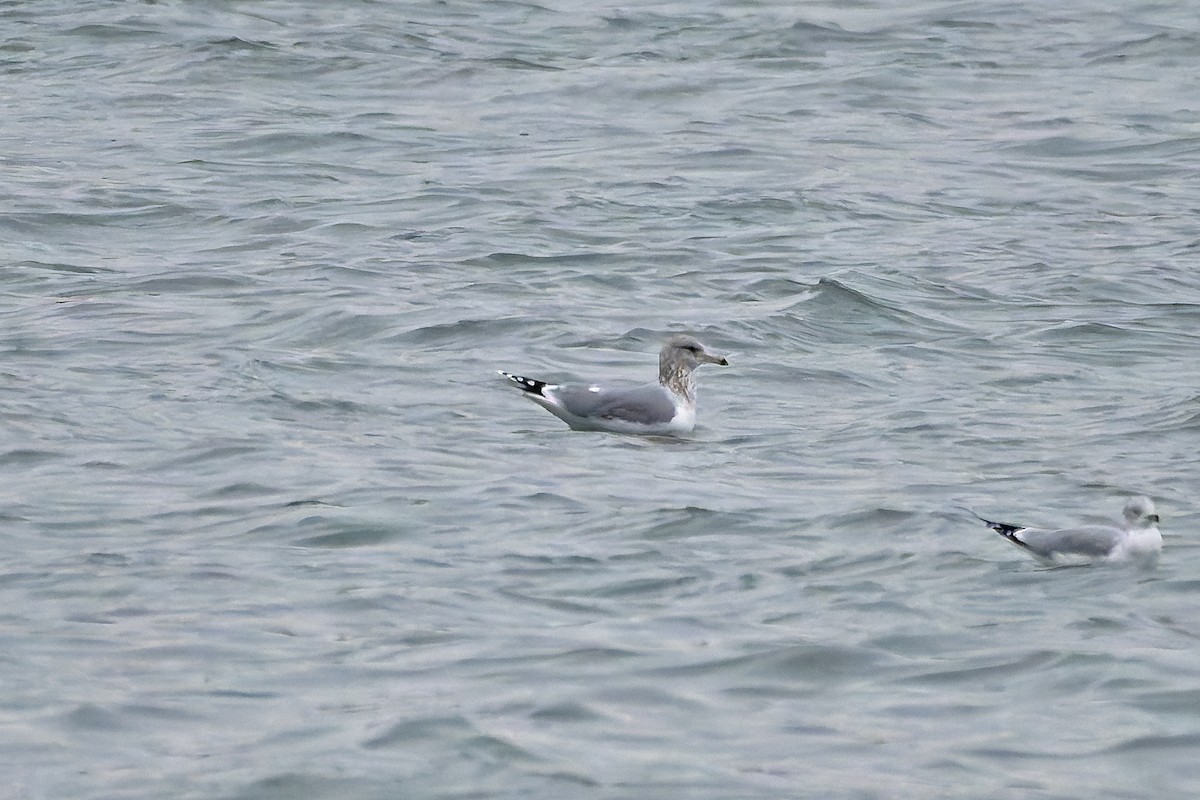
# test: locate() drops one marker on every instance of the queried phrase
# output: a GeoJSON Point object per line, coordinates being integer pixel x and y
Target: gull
{"type": "Point", "coordinates": [1136, 538]}
{"type": "Point", "coordinates": [666, 407]}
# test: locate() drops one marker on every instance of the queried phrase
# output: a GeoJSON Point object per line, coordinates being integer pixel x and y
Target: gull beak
{"type": "Point", "coordinates": [709, 358]}
{"type": "Point", "coordinates": [1153, 518]}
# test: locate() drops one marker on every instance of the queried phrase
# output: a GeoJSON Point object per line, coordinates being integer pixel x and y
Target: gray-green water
{"type": "Point", "coordinates": [273, 527]}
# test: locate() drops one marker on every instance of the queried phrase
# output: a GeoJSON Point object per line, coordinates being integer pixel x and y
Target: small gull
{"type": "Point", "coordinates": [665, 407]}
{"type": "Point", "coordinates": [1136, 538]}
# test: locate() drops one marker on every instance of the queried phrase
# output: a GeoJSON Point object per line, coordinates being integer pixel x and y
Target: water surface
{"type": "Point", "coordinates": [274, 527]}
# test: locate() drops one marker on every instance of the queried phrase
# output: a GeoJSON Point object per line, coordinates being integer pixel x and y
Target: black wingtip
{"type": "Point", "coordinates": [526, 384]}
{"type": "Point", "coordinates": [1007, 531]}
{"type": "Point", "coordinates": [1003, 528]}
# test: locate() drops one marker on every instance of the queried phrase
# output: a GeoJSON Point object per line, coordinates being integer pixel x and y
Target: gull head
{"type": "Point", "coordinates": [686, 353]}
{"type": "Point", "coordinates": [1139, 513]}
{"type": "Point", "coordinates": [679, 356]}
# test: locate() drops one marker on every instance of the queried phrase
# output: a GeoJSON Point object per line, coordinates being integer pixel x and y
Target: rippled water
{"type": "Point", "coordinates": [274, 528]}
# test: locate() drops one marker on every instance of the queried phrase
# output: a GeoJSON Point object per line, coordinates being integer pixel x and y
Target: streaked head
{"type": "Point", "coordinates": [1140, 513]}
{"type": "Point", "coordinates": [686, 352]}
